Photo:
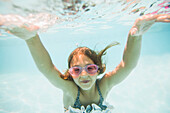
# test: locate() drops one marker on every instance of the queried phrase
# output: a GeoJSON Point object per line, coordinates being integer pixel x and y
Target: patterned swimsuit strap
{"type": "Point", "coordinates": [103, 107]}
{"type": "Point", "coordinates": [77, 104]}
{"type": "Point", "coordinates": [101, 97]}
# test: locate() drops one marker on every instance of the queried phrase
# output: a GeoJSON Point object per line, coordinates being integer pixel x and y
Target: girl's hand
{"type": "Point", "coordinates": [25, 31]}
{"type": "Point", "coordinates": [18, 27]}
{"type": "Point", "coordinates": [142, 24]}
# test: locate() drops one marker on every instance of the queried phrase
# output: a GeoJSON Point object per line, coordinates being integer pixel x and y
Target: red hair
{"type": "Point", "coordinates": [94, 56]}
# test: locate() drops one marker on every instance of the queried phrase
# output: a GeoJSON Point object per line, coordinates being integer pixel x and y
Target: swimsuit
{"type": "Point", "coordinates": [78, 105]}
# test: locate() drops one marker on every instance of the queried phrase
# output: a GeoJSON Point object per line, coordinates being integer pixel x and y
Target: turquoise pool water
{"type": "Point", "coordinates": [23, 89]}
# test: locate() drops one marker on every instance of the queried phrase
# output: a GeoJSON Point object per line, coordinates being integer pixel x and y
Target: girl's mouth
{"type": "Point", "coordinates": [85, 81]}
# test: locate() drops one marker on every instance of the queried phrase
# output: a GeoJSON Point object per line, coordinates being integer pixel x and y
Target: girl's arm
{"type": "Point", "coordinates": [40, 55]}
{"type": "Point", "coordinates": [132, 49]}
{"type": "Point", "coordinates": [44, 63]}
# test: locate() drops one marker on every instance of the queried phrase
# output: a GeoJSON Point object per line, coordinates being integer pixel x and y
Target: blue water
{"type": "Point", "coordinates": [23, 89]}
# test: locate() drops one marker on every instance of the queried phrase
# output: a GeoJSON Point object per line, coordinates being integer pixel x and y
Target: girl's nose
{"type": "Point", "coordinates": [83, 73]}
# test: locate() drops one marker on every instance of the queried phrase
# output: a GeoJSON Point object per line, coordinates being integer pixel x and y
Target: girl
{"type": "Point", "coordinates": [82, 91]}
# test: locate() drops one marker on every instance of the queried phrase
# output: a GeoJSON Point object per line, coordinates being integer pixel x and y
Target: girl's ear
{"type": "Point", "coordinates": [104, 67]}
{"type": "Point", "coordinates": [102, 70]}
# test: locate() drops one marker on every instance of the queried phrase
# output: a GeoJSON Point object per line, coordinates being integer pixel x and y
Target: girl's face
{"type": "Point", "coordinates": [84, 80]}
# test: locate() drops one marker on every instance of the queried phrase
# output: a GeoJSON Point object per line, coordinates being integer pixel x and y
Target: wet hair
{"type": "Point", "coordinates": [96, 57]}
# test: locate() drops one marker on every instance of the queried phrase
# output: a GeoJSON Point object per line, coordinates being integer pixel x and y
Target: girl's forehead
{"type": "Point", "coordinates": [80, 60]}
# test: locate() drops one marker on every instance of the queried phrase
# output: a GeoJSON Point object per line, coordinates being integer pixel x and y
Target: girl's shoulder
{"type": "Point", "coordinates": [103, 87]}
{"type": "Point", "coordinates": [70, 95]}
{"type": "Point", "coordinates": [71, 89]}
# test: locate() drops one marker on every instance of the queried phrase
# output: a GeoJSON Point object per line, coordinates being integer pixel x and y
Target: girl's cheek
{"type": "Point", "coordinates": [75, 80]}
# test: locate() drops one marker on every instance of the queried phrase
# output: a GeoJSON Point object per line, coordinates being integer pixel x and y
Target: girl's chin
{"type": "Point", "coordinates": [86, 86]}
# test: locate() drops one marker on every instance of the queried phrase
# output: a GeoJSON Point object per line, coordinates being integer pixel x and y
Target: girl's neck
{"type": "Point", "coordinates": [90, 92]}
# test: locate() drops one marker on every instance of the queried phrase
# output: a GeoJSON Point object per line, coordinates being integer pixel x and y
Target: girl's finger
{"type": "Point", "coordinates": [163, 18]}
{"type": "Point", "coordinates": [30, 27]}
{"type": "Point", "coordinates": [4, 28]}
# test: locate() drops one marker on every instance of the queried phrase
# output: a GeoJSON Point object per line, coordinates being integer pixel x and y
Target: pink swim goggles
{"type": "Point", "coordinates": [76, 70]}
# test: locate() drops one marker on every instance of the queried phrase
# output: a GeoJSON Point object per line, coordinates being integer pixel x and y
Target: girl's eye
{"type": "Point", "coordinates": [77, 70]}
{"type": "Point", "coordinates": [91, 68]}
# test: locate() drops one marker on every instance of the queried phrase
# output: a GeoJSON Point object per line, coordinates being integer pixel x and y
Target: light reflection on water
{"type": "Point", "coordinates": [57, 14]}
